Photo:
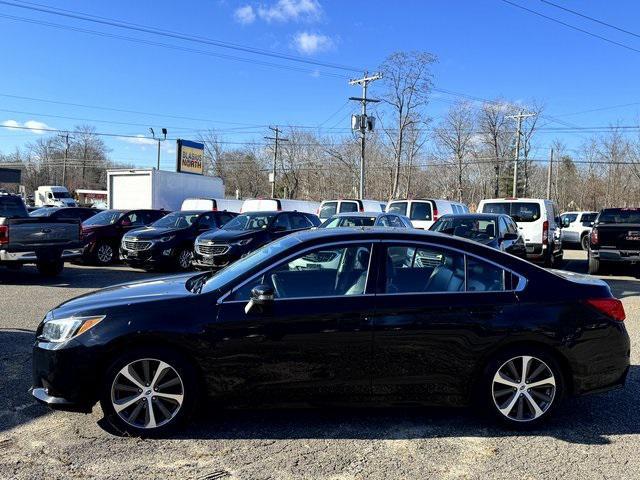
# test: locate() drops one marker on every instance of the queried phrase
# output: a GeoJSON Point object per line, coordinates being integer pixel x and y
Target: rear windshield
{"type": "Point", "coordinates": [328, 209]}
{"type": "Point", "coordinates": [473, 228]}
{"type": "Point", "coordinates": [519, 211]}
{"type": "Point", "coordinates": [420, 211]}
{"type": "Point", "coordinates": [348, 207]}
{"type": "Point", "coordinates": [12, 207]}
{"type": "Point", "coordinates": [43, 212]}
{"type": "Point", "coordinates": [619, 215]}
{"type": "Point", "coordinates": [397, 207]}
{"type": "Point", "coordinates": [349, 222]}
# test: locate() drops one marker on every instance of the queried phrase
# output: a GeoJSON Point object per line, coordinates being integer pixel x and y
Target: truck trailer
{"type": "Point", "coordinates": [158, 189]}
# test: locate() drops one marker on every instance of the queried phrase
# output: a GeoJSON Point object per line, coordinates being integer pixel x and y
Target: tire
{"type": "Point", "coordinates": [183, 259]}
{"type": "Point", "coordinates": [104, 254]}
{"type": "Point", "coordinates": [153, 406]}
{"type": "Point", "coordinates": [50, 268]}
{"type": "Point", "coordinates": [548, 258]}
{"type": "Point", "coordinates": [14, 266]}
{"type": "Point", "coordinates": [594, 265]}
{"type": "Point", "coordinates": [511, 400]}
{"type": "Point", "coordinates": [584, 241]}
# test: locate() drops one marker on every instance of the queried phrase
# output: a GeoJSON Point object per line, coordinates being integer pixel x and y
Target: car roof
{"type": "Point", "coordinates": [474, 215]}
{"type": "Point", "coordinates": [362, 214]}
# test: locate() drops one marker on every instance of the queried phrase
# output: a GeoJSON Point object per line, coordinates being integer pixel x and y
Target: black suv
{"type": "Point", "coordinates": [246, 233]}
{"type": "Point", "coordinates": [169, 241]}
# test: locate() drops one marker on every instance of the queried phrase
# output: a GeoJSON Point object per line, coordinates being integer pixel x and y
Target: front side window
{"type": "Point", "coordinates": [176, 220]}
{"type": "Point", "coordinates": [207, 220]}
{"type": "Point", "coordinates": [251, 221]}
{"type": "Point", "coordinates": [282, 222]}
{"type": "Point", "coordinates": [588, 217]}
{"type": "Point", "coordinates": [420, 211]}
{"type": "Point", "coordinates": [568, 218]}
{"type": "Point", "coordinates": [299, 222]}
{"type": "Point", "coordinates": [395, 221]}
{"type": "Point", "coordinates": [323, 272]}
{"type": "Point", "coordinates": [415, 269]}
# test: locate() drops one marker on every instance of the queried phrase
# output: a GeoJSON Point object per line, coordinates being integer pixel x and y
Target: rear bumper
{"type": "Point", "coordinates": [612, 255]}
{"type": "Point", "coordinates": [33, 256]}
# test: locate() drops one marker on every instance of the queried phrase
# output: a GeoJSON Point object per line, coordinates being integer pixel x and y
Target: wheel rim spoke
{"type": "Point", "coordinates": [151, 417]}
{"type": "Point", "coordinates": [502, 379]}
{"type": "Point", "coordinates": [171, 396]}
{"type": "Point", "coordinates": [537, 411]}
{"type": "Point", "coordinates": [507, 410]}
{"type": "Point", "coordinates": [122, 405]}
{"type": "Point", "coordinates": [131, 376]}
{"type": "Point", "coordinates": [547, 381]}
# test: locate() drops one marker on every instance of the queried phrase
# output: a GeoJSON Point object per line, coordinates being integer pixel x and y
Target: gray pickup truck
{"type": "Point", "coordinates": [38, 240]}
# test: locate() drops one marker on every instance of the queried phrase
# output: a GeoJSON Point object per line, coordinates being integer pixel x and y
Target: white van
{"type": "Point", "coordinates": [277, 204]}
{"type": "Point", "coordinates": [213, 204]}
{"type": "Point", "coordinates": [538, 222]}
{"type": "Point", "coordinates": [53, 196]}
{"type": "Point", "coordinates": [424, 212]}
{"type": "Point", "coordinates": [329, 208]}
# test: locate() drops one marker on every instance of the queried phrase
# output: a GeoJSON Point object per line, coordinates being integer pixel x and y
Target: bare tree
{"type": "Point", "coordinates": [496, 135]}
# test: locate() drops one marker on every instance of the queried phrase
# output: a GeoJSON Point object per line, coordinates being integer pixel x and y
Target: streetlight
{"type": "Point", "coordinates": [153, 134]}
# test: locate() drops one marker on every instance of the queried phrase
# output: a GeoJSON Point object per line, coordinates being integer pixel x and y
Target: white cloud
{"type": "Point", "coordinates": [139, 140]}
{"type": "Point", "coordinates": [310, 43]}
{"type": "Point", "coordinates": [245, 15]}
{"type": "Point", "coordinates": [286, 10]}
{"type": "Point", "coordinates": [33, 125]}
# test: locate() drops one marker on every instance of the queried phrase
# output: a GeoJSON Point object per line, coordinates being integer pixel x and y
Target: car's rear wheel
{"type": "Point", "coordinates": [104, 254]}
{"type": "Point", "coordinates": [584, 242]}
{"type": "Point", "coordinates": [183, 259]}
{"type": "Point", "coordinates": [149, 392]}
{"type": "Point", "coordinates": [524, 386]}
{"type": "Point", "coordinates": [594, 265]}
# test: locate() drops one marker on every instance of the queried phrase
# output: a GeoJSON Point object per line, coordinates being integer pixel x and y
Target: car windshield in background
{"type": "Point", "coordinates": [328, 209]}
{"type": "Point", "coordinates": [398, 207]}
{"type": "Point", "coordinates": [61, 195]}
{"type": "Point", "coordinates": [108, 217]}
{"type": "Point", "coordinates": [176, 220]}
{"type": "Point", "coordinates": [420, 211]}
{"type": "Point", "coordinates": [349, 222]}
{"type": "Point", "coordinates": [11, 207]}
{"type": "Point", "coordinates": [468, 227]}
{"type": "Point", "coordinates": [254, 221]}
{"type": "Point", "coordinates": [43, 212]}
{"type": "Point", "coordinates": [519, 211]}
{"type": "Point", "coordinates": [620, 215]}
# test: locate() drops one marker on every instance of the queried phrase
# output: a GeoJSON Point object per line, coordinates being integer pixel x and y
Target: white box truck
{"type": "Point", "coordinates": [53, 196]}
{"type": "Point", "coordinates": [158, 189]}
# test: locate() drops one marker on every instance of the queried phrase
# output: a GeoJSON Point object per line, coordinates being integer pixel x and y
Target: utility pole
{"type": "Point", "coordinates": [549, 172]}
{"type": "Point", "coordinates": [362, 122]}
{"type": "Point", "coordinates": [276, 139]}
{"type": "Point", "coordinates": [153, 134]}
{"type": "Point", "coordinates": [516, 159]}
{"type": "Point", "coordinates": [65, 137]}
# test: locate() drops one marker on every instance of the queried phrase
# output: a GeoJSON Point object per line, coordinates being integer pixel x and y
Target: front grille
{"type": "Point", "coordinates": [136, 246]}
{"type": "Point", "coordinates": [215, 249]}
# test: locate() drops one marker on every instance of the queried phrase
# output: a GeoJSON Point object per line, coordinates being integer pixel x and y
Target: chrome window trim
{"type": "Point", "coordinates": [371, 242]}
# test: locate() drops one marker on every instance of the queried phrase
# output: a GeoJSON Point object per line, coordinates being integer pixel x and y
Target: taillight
{"type": "Point", "coordinates": [545, 232]}
{"type": "Point", "coordinates": [611, 307]}
{"type": "Point", "coordinates": [361, 209]}
{"type": "Point", "coordinates": [435, 213]}
{"type": "Point", "coordinates": [594, 236]}
{"type": "Point", "coordinates": [4, 234]}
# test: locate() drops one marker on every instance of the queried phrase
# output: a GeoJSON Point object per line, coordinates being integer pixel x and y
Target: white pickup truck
{"type": "Point", "coordinates": [39, 240]}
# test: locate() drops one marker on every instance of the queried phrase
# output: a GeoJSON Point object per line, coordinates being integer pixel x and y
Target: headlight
{"type": "Point", "coordinates": [244, 242]}
{"type": "Point", "coordinates": [168, 238]}
{"type": "Point", "coordinates": [62, 329]}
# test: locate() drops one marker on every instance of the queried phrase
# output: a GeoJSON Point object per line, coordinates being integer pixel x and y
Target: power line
{"type": "Point", "coordinates": [171, 34]}
{"type": "Point", "coordinates": [573, 27]}
{"type": "Point", "coordinates": [590, 18]}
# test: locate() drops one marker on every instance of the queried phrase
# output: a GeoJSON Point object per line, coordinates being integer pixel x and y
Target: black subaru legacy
{"type": "Point", "coordinates": [345, 314]}
{"type": "Point", "coordinates": [246, 233]}
{"type": "Point", "coordinates": [168, 242]}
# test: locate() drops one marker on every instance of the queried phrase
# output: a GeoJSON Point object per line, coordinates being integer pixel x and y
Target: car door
{"type": "Point", "coordinates": [435, 312]}
{"type": "Point", "coordinates": [313, 341]}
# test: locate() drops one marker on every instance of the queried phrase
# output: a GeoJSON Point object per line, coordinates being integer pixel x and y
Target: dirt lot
{"type": "Point", "coordinates": [590, 437]}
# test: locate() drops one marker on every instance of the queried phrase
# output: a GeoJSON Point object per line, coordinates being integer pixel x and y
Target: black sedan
{"type": "Point", "coordinates": [404, 316]}
{"type": "Point", "coordinates": [493, 230]}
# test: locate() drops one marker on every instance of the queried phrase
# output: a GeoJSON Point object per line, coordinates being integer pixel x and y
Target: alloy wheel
{"type": "Point", "coordinates": [523, 388]}
{"type": "Point", "coordinates": [105, 253]}
{"type": "Point", "coordinates": [184, 259]}
{"type": "Point", "coordinates": [147, 393]}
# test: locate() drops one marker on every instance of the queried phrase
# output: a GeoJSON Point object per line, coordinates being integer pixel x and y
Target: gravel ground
{"type": "Point", "coordinates": [590, 437]}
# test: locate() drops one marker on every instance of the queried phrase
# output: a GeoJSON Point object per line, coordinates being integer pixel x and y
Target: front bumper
{"type": "Point", "coordinates": [214, 262]}
{"type": "Point", "coordinates": [620, 256]}
{"type": "Point", "coordinates": [157, 254]}
{"type": "Point", "coordinates": [33, 256]}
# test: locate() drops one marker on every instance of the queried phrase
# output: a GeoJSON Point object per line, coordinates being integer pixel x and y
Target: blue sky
{"type": "Point", "coordinates": [486, 48]}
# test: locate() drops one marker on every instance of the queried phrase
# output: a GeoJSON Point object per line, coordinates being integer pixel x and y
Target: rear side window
{"type": "Point", "coordinates": [348, 207]}
{"type": "Point", "coordinates": [588, 217]}
{"type": "Point", "coordinates": [397, 207]}
{"type": "Point", "coordinates": [420, 211]}
{"type": "Point", "coordinates": [207, 220]}
{"type": "Point", "coordinates": [484, 277]}
{"type": "Point", "coordinates": [299, 221]}
{"type": "Point", "coordinates": [282, 222]}
{"type": "Point", "coordinates": [328, 209]}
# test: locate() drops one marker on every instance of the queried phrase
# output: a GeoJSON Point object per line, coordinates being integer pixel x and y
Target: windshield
{"type": "Point", "coordinates": [43, 212]}
{"type": "Point", "coordinates": [176, 220]}
{"type": "Point", "coordinates": [61, 195]}
{"type": "Point", "coordinates": [620, 215]}
{"type": "Point", "coordinates": [253, 221]}
{"type": "Point", "coordinates": [244, 265]}
{"type": "Point", "coordinates": [519, 211]}
{"type": "Point", "coordinates": [349, 222]}
{"type": "Point", "coordinates": [397, 207]}
{"type": "Point", "coordinates": [473, 228]}
{"type": "Point", "coordinates": [108, 217]}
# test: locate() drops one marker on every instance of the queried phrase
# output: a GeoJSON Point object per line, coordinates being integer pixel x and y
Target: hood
{"type": "Point", "coordinates": [151, 233]}
{"type": "Point", "coordinates": [222, 235]}
{"type": "Point", "coordinates": [164, 288]}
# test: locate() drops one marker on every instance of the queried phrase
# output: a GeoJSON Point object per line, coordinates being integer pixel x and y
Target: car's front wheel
{"type": "Point", "coordinates": [149, 392]}
{"type": "Point", "coordinates": [104, 254]}
{"type": "Point", "coordinates": [584, 242]}
{"type": "Point", "coordinates": [523, 386]}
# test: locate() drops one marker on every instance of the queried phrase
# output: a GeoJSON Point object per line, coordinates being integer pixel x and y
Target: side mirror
{"type": "Point", "coordinates": [261, 297]}
{"type": "Point", "coordinates": [510, 236]}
